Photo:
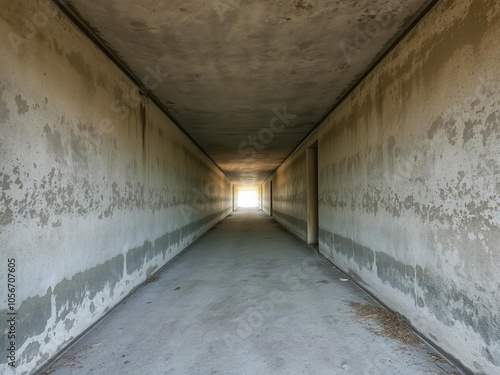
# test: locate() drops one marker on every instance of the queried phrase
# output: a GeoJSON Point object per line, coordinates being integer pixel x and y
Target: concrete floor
{"type": "Point", "coordinates": [246, 298]}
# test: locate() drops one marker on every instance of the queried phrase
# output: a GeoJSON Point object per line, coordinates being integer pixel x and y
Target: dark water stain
{"type": "Point", "coordinates": [301, 5]}
{"type": "Point", "coordinates": [468, 132]}
{"type": "Point", "coordinates": [362, 255]}
{"type": "Point", "coordinates": [291, 221]}
{"type": "Point", "coordinates": [102, 81]}
{"type": "Point", "coordinates": [137, 25]}
{"type": "Point", "coordinates": [136, 257]}
{"type": "Point", "coordinates": [492, 127]}
{"type": "Point", "coordinates": [6, 217]}
{"type": "Point", "coordinates": [6, 182]}
{"type": "Point", "coordinates": [399, 275]}
{"type": "Point", "coordinates": [54, 143]}
{"type": "Point", "coordinates": [68, 324]}
{"type": "Point", "coordinates": [32, 316]}
{"type": "Point", "coordinates": [82, 145]}
{"type": "Point", "coordinates": [71, 293]}
{"type": "Point", "coordinates": [31, 351]}
{"type": "Point", "coordinates": [448, 126]}
{"type": "Point", "coordinates": [78, 62]}
{"type": "Point", "coordinates": [391, 145]}
{"type": "Point", "coordinates": [22, 105]}
{"type": "Point", "coordinates": [466, 309]}
{"type": "Point", "coordinates": [4, 110]}
{"type": "Point", "coordinates": [57, 48]}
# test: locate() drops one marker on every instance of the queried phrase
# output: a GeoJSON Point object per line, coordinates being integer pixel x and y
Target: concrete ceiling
{"type": "Point", "coordinates": [227, 70]}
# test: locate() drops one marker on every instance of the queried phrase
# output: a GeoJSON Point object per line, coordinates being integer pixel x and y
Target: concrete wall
{"type": "Point", "coordinates": [266, 196]}
{"type": "Point", "coordinates": [235, 197]}
{"type": "Point", "coordinates": [409, 170]}
{"type": "Point", "coordinates": [290, 194]}
{"type": "Point", "coordinates": [98, 189]}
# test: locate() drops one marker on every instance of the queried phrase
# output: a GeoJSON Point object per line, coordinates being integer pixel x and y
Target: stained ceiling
{"type": "Point", "coordinates": [247, 80]}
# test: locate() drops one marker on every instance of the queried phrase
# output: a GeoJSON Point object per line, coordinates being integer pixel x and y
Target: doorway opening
{"type": "Point", "coordinates": [248, 198]}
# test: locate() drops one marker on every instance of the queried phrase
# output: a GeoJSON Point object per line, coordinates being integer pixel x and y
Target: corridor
{"type": "Point", "coordinates": [245, 298]}
{"type": "Point", "coordinates": [367, 132]}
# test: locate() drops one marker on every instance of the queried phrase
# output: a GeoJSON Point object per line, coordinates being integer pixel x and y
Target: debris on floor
{"type": "Point", "coordinates": [152, 279]}
{"type": "Point", "coordinates": [391, 324]}
{"type": "Point", "coordinates": [436, 357]}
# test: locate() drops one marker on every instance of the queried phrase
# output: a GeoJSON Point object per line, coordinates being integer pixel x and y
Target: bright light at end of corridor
{"type": "Point", "coordinates": [247, 198]}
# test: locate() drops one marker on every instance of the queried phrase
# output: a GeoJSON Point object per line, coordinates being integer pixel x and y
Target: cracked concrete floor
{"type": "Point", "coordinates": [246, 298]}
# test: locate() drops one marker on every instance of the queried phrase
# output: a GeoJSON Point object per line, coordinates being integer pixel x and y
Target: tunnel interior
{"type": "Point", "coordinates": [368, 130]}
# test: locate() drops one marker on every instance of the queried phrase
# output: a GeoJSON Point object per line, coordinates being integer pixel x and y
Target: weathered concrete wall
{"type": "Point", "coordinates": [409, 166]}
{"type": "Point", "coordinates": [266, 196]}
{"type": "Point", "coordinates": [290, 194]}
{"type": "Point", "coordinates": [235, 197]}
{"type": "Point", "coordinates": [98, 189]}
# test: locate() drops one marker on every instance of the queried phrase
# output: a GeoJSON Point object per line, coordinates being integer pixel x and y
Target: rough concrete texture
{"type": "Point", "coordinates": [408, 182]}
{"type": "Point", "coordinates": [230, 67]}
{"type": "Point", "coordinates": [289, 195]}
{"type": "Point", "coordinates": [98, 189]}
{"type": "Point", "coordinates": [266, 196]}
{"type": "Point", "coordinates": [247, 298]}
